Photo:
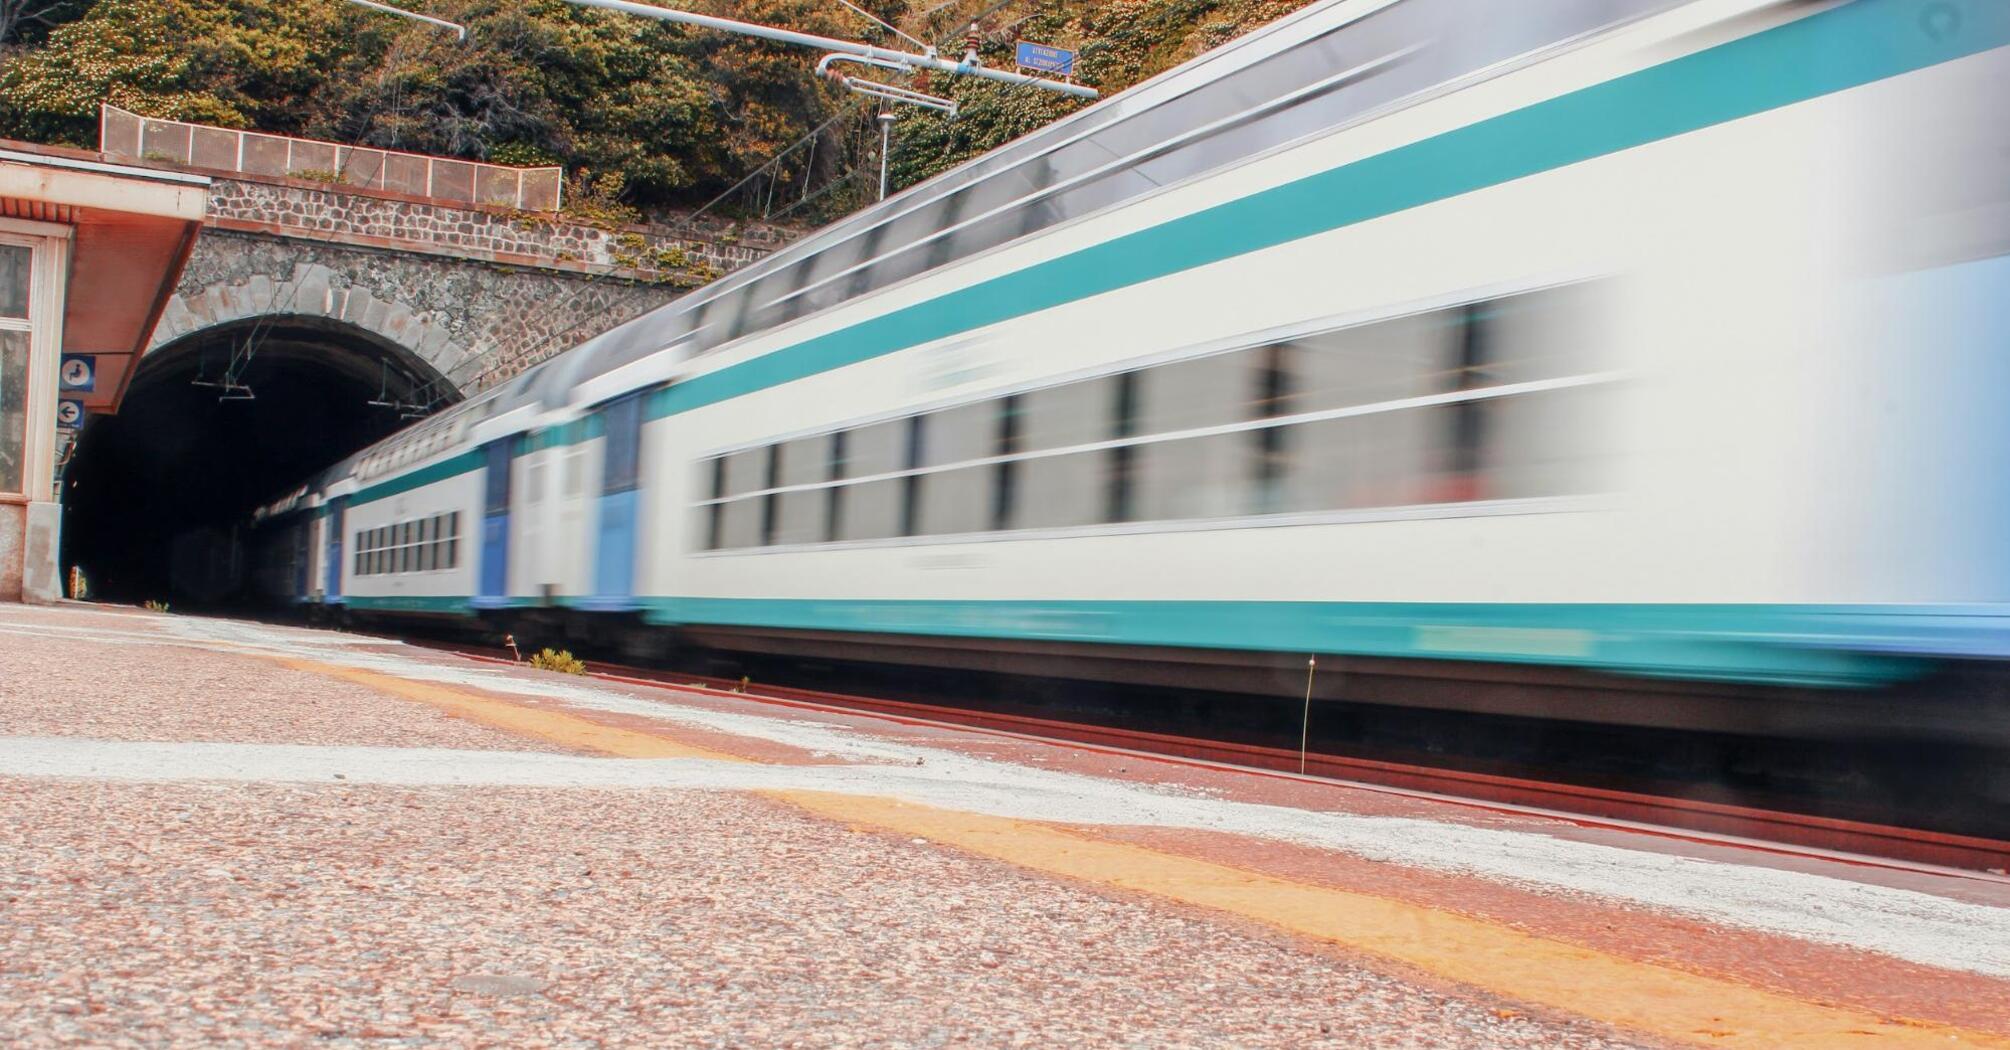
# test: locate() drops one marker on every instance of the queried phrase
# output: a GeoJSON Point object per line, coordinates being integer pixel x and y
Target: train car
{"type": "Point", "coordinates": [1526, 343]}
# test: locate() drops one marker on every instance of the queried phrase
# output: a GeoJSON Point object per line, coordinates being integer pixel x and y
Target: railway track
{"type": "Point", "coordinates": [1769, 830]}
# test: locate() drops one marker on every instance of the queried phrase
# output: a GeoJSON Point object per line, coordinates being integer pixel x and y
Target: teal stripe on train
{"type": "Point", "coordinates": [1856, 44]}
{"type": "Point", "coordinates": [1797, 644]}
{"type": "Point", "coordinates": [452, 466]}
{"type": "Point", "coordinates": [585, 428]}
{"type": "Point", "coordinates": [412, 603]}
{"type": "Point", "coordinates": [1832, 645]}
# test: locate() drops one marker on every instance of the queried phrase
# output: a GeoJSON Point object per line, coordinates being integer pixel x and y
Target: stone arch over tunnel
{"type": "Point", "coordinates": [154, 496]}
{"type": "Point", "coordinates": [252, 278]}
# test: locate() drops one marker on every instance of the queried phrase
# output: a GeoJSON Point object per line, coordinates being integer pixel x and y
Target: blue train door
{"type": "Point", "coordinates": [493, 592]}
{"type": "Point", "coordinates": [332, 586]}
{"type": "Point", "coordinates": [614, 547]}
{"type": "Point", "coordinates": [302, 543]}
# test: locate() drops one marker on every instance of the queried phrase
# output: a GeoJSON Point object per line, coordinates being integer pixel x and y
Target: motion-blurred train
{"type": "Point", "coordinates": [1583, 341]}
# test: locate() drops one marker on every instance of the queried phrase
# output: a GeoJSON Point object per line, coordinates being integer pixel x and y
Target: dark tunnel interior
{"type": "Point", "coordinates": [214, 426]}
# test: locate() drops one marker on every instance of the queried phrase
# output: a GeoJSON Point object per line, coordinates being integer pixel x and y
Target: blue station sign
{"type": "Point", "coordinates": [1046, 59]}
{"type": "Point", "coordinates": [78, 373]}
{"type": "Point", "coordinates": [69, 414]}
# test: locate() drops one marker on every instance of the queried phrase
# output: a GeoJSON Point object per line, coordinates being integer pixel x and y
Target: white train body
{"type": "Point", "coordinates": [1669, 348]}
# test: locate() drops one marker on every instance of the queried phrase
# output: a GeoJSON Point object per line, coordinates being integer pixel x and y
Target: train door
{"type": "Point", "coordinates": [535, 557]}
{"type": "Point", "coordinates": [332, 585]}
{"type": "Point", "coordinates": [493, 590]}
{"type": "Point", "coordinates": [615, 542]}
{"type": "Point", "coordinates": [572, 518]}
{"type": "Point", "coordinates": [302, 542]}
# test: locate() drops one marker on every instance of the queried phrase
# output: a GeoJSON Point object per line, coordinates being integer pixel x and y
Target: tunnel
{"type": "Point", "coordinates": [213, 426]}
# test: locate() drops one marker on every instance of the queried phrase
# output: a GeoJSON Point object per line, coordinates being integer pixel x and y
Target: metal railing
{"type": "Point", "coordinates": [131, 136]}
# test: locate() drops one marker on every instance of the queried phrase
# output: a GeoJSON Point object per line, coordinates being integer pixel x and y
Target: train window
{"type": "Point", "coordinates": [910, 490]}
{"type": "Point", "coordinates": [453, 539]}
{"type": "Point", "coordinates": [1535, 443]}
{"type": "Point", "coordinates": [805, 461]}
{"type": "Point", "coordinates": [880, 448]}
{"type": "Point", "coordinates": [715, 512]}
{"type": "Point", "coordinates": [1196, 477]}
{"type": "Point", "coordinates": [872, 510]}
{"type": "Point", "coordinates": [740, 526]}
{"type": "Point", "coordinates": [426, 544]}
{"type": "Point", "coordinates": [801, 516]}
{"type": "Point", "coordinates": [834, 496]}
{"type": "Point", "coordinates": [1011, 414]}
{"type": "Point", "coordinates": [1070, 414]}
{"type": "Point", "coordinates": [574, 472]}
{"type": "Point", "coordinates": [957, 500]}
{"type": "Point", "coordinates": [1119, 487]}
{"type": "Point", "coordinates": [533, 481]}
{"type": "Point", "coordinates": [771, 503]}
{"type": "Point", "coordinates": [1537, 335]}
{"type": "Point", "coordinates": [623, 444]}
{"type": "Point", "coordinates": [957, 435]}
{"type": "Point", "coordinates": [1382, 459]}
{"type": "Point", "coordinates": [1061, 491]}
{"type": "Point", "coordinates": [1258, 453]}
{"type": "Point", "coordinates": [746, 471]}
{"type": "Point", "coordinates": [1204, 392]}
{"type": "Point", "coordinates": [1365, 364]}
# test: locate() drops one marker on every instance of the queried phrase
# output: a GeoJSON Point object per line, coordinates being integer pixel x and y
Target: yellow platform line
{"type": "Point", "coordinates": [556, 727]}
{"type": "Point", "coordinates": [1599, 986]}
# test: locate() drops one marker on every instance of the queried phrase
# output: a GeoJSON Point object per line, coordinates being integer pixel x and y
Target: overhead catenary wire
{"type": "Point", "coordinates": [905, 59]}
{"type": "Point", "coordinates": [886, 25]}
{"type": "Point", "coordinates": [460, 31]}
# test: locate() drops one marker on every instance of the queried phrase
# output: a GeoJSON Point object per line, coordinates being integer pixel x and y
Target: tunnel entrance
{"type": "Point", "coordinates": [215, 425]}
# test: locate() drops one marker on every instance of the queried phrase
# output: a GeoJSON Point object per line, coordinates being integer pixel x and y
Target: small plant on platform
{"type": "Point", "coordinates": [317, 175]}
{"type": "Point", "coordinates": [560, 660]}
{"type": "Point", "coordinates": [154, 606]}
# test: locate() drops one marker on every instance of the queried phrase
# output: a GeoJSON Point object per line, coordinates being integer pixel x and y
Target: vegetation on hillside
{"type": "Point", "coordinates": [667, 114]}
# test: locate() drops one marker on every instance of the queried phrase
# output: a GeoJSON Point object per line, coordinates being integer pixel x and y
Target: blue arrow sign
{"type": "Point", "coordinates": [1046, 59]}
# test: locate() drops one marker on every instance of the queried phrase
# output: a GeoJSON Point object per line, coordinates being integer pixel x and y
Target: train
{"type": "Point", "coordinates": [1476, 348]}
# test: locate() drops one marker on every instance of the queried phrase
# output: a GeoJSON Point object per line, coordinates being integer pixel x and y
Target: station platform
{"type": "Point", "coordinates": [217, 832]}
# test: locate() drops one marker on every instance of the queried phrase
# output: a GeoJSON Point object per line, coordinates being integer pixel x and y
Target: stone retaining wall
{"type": "Point", "coordinates": [297, 207]}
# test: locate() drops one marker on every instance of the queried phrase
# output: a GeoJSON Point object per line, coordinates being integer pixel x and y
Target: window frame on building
{"type": "Point", "coordinates": [48, 247]}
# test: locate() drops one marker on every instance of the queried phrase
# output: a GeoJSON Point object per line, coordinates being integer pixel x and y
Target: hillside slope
{"type": "Point", "coordinates": [654, 114]}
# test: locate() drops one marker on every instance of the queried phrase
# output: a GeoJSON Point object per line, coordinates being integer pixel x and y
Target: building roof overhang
{"type": "Point", "coordinates": [131, 232]}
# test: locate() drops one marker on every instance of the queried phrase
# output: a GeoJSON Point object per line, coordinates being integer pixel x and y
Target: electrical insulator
{"type": "Point", "coordinates": [970, 42]}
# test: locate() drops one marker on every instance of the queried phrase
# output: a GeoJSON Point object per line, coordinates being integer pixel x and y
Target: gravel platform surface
{"type": "Point", "coordinates": [66, 685]}
{"type": "Point", "coordinates": [255, 915]}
